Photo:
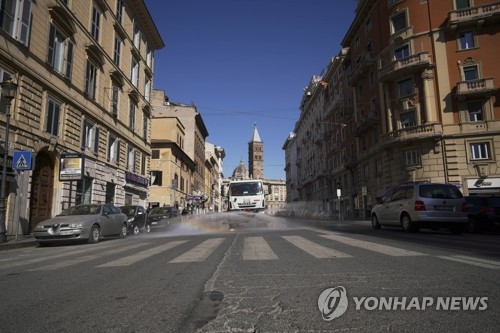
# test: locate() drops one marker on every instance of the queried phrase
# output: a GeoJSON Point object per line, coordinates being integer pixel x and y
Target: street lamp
{"type": "Point", "coordinates": [9, 90]}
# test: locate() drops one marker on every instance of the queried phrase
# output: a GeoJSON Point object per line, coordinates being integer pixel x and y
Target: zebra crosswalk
{"type": "Point", "coordinates": [323, 246]}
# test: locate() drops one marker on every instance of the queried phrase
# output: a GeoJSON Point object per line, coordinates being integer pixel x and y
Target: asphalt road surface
{"type": "Point", "coordinates": [256, 273]}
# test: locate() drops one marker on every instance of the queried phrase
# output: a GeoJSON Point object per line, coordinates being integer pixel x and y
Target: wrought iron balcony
{"type": "Point", "coordinates": [473, 15]}
{"type": "Point", "coordinates": [406, 65]}
{"type": "Point", "coordinates": [367, 121]}
{"type": "Point", "coordinates": [365, 63]}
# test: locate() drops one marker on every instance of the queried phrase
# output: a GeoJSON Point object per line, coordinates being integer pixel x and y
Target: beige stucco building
{"type": "Point", "coordinates": [84, 71]}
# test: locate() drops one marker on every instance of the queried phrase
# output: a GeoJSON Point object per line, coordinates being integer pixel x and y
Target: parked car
{"type": "Point", "coordinates": [83, 223]}
{"type": "Point", "coordinates": [137, 218]}
{"type": "Point", "coordinates": [422, 205]}
{"type": "Point", "coordinates": [484, 212]}
{"type": "Point", "coordinates": [162, 217]}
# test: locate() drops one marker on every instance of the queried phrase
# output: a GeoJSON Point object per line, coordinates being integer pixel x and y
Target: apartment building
{"type": "Point", "coordinates": [411, 96]}
{"type": "Point", "coordinates": [213, 176]}
{"type": "Point", "coordinates": [193, 141]}
{"type": "Point", "coordinates": [84, 71]}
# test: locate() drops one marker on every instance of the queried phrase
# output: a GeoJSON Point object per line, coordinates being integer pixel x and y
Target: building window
{"type": "Point", "coordinates": [60, 55]}
{"type": "Point", "coordinates": [110, 193]}
{"type": "Point", "coordinates": [137, 36]}
{"type": "Point", "coordinates": [131, 115]}
{"type": "Point", "coordinates": [145, 127]}
{"type": "Point", "coordinates": [155, 178]}
{"type": "Point", "coordinates": [96, 22]}
{"type": "Point", "coordinates": [115, 97]}
{"type": "Point", "coordinates": [90, 79]}
{"type": "Point", "coordinates": [149, 57]}
{"type": "Point", "coordinates": [398, 22]}
{"type": "Point", "coordinates": [15, 19]}
{"type": "Point", "coordinates": [134, 72]}
{"type": "Point", "coordinates": [114, 149]}
{"type": "Point", "coordinates": [143, 164]}
{"type": "Point", "coordinates": [378, 168]}
{"type": "Point", "coordinates": [52, 117]}
{"type": "Point", "coordinates": [131, 159]}
{"type": "Point", "coordinates": [470, 73]}
{"type": "Point", "coordinates": [461, 4]}
{"type": "Point", "coordinates": [405, 88]}
{"type": "Point", "coordinates": [119, 11]}
{"type": "Point", "coordinates": [407, 119]}
{"type": "Point", "coordinates": [155, 154]}
{"type": "Point", "coordinates": [84, 191]}
{"type": "Point", "coordinates": [402, 52]}
{"type": "Point", "coordinates": [475, 111]}
{"type": "Point", "coordinates": [480, 151]}
{"type": "Point", "coordinates": [90, 137]}
{"type": "Point", "coordinates": [117, 50]}
{"type": "Point", "coordinates": [411, 157]}
{"type": "Point", "coordinates": [147, 88]}
{"type": "Point", "coordinates": [366, 170]}
{"type": "Point", "coordinates": [466, 40]}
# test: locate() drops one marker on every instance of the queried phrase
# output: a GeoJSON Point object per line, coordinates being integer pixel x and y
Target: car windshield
{"type": "Point", "coordinates": [82, 210]}
{"type": "Point", "coordinates": [128, 210]}
{"type": "Point", "coordinates": [161, 210]}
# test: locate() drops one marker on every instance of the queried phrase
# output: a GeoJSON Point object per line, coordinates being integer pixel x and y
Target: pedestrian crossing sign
{"type": "Point", "coordinates": [21, 160]}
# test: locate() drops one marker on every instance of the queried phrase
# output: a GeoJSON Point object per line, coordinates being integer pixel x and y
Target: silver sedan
{"type": "Point", "coordinates": [83, 223]}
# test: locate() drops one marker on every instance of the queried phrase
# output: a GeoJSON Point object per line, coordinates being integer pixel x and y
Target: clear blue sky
{"type": "Point", "coordinates": [246, 61]}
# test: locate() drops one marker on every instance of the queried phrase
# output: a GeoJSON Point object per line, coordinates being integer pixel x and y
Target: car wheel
{"type": "Point", "coordinates": [407, 223]}
{"type": "Point", "coordinates": [136, 230]}
{"type": "Point", "coordinates": [124, 230]}
{"type": "Point", "coordinates": [457, 229]}
{"type": "Point", "coordinates": [95, 234]}
{"type": "Point", "coordinates": [147, 228]}
{"type": "Point", "coordinates": [375, 223]}
{"type": "Point", "coordinates": [472, 226]}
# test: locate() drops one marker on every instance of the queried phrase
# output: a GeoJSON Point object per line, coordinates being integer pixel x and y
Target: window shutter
{"type": "Point", "coordinates": [69, 58]}
{"type": "Point", "coordinates": [96, 141]}
{"type": "Point", "coordinates": [52, 37]}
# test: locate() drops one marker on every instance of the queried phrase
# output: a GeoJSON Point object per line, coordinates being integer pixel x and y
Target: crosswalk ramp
{"type": "Point", "coordinates": [252, 248]}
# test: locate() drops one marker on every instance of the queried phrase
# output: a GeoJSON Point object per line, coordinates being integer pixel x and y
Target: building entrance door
{"type": "Point", "coordinates": [42, 189]}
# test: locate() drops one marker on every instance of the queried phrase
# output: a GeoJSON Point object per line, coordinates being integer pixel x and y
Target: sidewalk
{"type": "Point", "coordinates": [20, 242]}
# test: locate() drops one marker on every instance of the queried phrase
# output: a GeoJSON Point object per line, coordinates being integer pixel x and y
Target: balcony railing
{"type": "Point", "coordinates": [403, 65]}
{"type": "Point", "coordinates": [367, 121]}
{"type": "Point", "coordinates": [366, 62]}
{"type": "Point", "coordinates": [475, 87]}
{"type": "Point", "coordinates": [413, 133]}
{"type": "Point", "coordinates": [469, 15]}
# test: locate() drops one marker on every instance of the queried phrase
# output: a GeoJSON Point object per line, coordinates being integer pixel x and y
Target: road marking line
{"type": "Point", "coordinates": [129, 260]}
{"type": "Point", "coordinates": [316, 250]}
{"type": "Point", "coordinates": [199, 252]}
{"type": "Point", "coordinates": [473, 261]}
{"type": "Point", "coordinates": [256, 248]}
{"type": "Point", "coordinates": [384, 249]}
{"type": "Point", "coordinates": [71, 262]}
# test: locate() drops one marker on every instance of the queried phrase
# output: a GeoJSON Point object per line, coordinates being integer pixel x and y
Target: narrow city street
{"type": "Point", "coordinates": [255, 273]}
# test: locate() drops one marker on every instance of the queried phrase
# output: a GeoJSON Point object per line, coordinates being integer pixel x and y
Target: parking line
{"type": "Point", "coordinates": [199, 252]}
{"type": "Point", "coordinates": [256, 248]}
{"type": "Point", "coordinates": [316, 250]}
{"type": "Point", "coordinates": [384, 249]}
{"type": "Point", "coordinates": [473, 261]}
{"type": "Point", "coordinates": [129, 260]}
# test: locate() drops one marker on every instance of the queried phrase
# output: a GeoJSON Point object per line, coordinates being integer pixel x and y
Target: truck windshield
{"type": "Point", "coordinates": [240, 189]}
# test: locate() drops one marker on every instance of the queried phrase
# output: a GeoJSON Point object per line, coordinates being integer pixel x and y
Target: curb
{"type": "Point", "coordinates": [21, 243]}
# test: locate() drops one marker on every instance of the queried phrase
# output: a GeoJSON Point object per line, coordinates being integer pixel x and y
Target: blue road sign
{"type": "Point", "coordinates": [21, 160]}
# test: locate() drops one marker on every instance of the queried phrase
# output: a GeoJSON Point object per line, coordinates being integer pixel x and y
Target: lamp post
{"type": "Point", "coordinates": [9, 90]}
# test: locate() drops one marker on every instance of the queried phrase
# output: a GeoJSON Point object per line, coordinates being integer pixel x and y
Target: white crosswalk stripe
{"type": "Point", "coordinates": [256, 248]}
{"type": "Point", "coordinates": [199, 252]}
{"type": "Point", "coordinates": [485, 263]}
{"type": "Point", "coordinates": [129, 260]}
{"type": "Point", "coordinates": [71, 262]}
{"type": "Point", "coordinates": [316, 250]}
{"type": "Point", "coordinates": [384, 249]}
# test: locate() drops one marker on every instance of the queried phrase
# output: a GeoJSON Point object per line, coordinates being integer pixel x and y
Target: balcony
{"type": "Point", "coordinates": [337, 101]}
{"type": "Point", "coordinates": [420, 132]}
{"type": "Point", "coordinates": [474, 15]}
{"type": "Point", "coordinates": [404, 66]}
{"type": "Point", "coordinates": [365, 63]}
{"type": "Point", "coordinates": [401, 35]}
{"type": "Point", "coordinates": [367, 121]}
{"type": "Point", "coordinates": [475, 88]}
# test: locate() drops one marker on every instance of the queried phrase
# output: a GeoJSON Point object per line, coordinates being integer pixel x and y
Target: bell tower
{"type": "Point", "coordinates": [256, 155]}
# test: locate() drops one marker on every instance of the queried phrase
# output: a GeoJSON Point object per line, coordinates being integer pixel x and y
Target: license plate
{"type": "Point", "coordinates": [154, 222]}
{"type": "Point", "coordinates": [63, 233]}
{"type": "Point", "coordinates": [445, 208]}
